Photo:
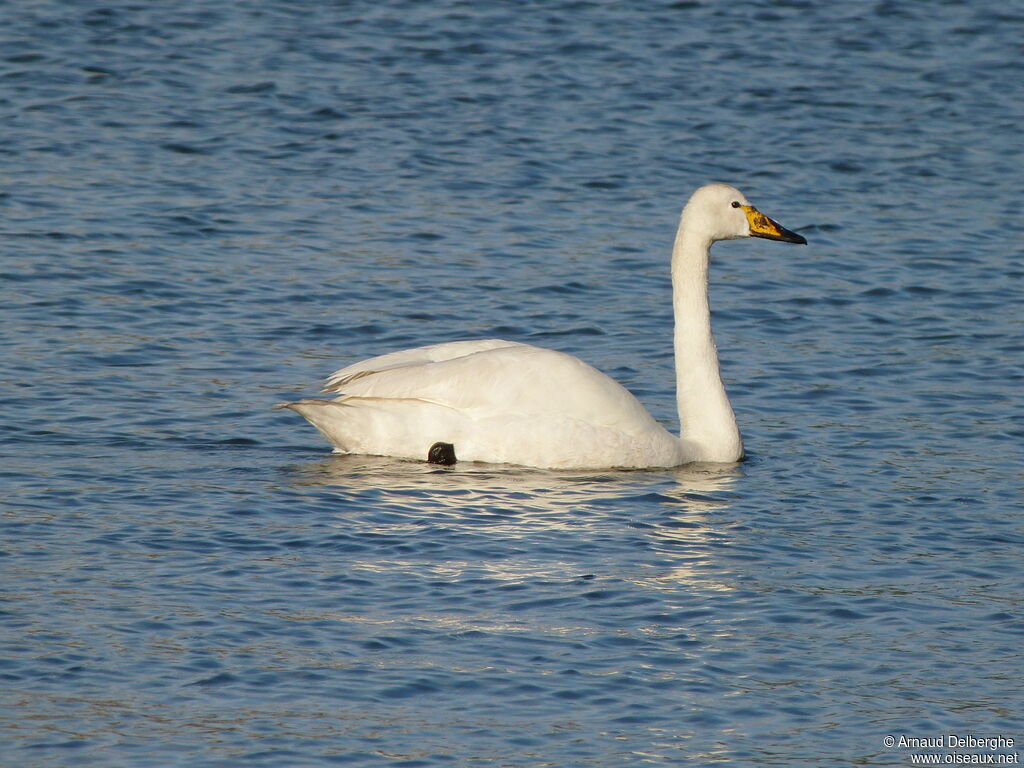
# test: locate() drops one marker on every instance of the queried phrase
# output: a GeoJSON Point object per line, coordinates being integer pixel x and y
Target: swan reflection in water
{"type": "Point", "coordinates": [530, 489]}
{"type": "Point", "coordinates": [675, 509]}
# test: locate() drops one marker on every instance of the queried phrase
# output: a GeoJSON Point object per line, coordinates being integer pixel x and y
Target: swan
{"type": "Point", "coordinates": [506, 402]}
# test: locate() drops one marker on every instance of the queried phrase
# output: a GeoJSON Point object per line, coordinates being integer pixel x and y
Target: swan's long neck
{"type": "Point", "coordinates": [706, 421]}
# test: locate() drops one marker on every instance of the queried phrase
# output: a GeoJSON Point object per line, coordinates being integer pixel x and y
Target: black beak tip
{"type": "Point", "coordinates": [788, 236]}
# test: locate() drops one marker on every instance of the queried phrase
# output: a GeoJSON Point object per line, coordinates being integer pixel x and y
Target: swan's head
{"type": "Point", "coordinates": [721, 212]}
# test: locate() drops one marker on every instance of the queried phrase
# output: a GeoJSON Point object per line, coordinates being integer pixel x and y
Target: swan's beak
{"type": "Point", "coordinates": [762, 226]}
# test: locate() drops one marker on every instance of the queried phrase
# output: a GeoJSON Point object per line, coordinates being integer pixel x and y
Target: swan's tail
{"type": "Point", "coordinates": [406, 428]}
{"type": "Point", "coordinates": [325, 416]}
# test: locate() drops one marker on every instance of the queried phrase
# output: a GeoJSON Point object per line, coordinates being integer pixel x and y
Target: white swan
{"type": "Point", "coordinates": [501, 401]}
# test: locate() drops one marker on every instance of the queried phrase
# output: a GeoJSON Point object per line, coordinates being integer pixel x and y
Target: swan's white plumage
{"type": "Point", "coordinates": [502, 401]}
{"type": "Point", "coordinates": [495, 401]}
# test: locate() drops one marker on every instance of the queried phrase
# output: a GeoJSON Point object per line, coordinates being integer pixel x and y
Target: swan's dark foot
{"type": "Point", "coordinates": [442, 453]}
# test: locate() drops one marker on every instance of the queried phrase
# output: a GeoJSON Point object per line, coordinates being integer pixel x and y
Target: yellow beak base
{"type": "Point", "coordinates": [762, 226]}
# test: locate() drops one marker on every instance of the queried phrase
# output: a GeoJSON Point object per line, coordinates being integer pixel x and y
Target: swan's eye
{"type": "Point", "coordinates": [735, 204]}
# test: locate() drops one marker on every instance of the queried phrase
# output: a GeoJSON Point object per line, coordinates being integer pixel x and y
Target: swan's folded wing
{"type": "Point", "coordinates": [410, 358]}
{"type": "Point", "coordinates": [505, 382]}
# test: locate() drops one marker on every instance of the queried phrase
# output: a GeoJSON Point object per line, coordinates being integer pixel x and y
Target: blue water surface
{"type": "Point", "coordinates": [206, 208]}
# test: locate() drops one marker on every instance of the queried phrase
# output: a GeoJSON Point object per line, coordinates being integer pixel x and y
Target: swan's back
{"type": "Point", "coordinates": [410, 358]}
